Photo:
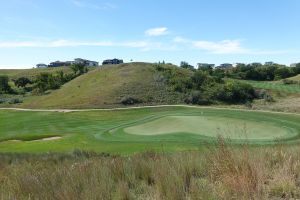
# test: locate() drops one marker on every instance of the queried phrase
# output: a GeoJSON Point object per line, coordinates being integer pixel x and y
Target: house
{"type": "Point", "coordinates": [269, 63]}
{"type": "Point", "coordinates": [256, 64]}
{"type": "Point", "coordinates": [112, 62]}
{"type": "Point", "coordinates": [225, 66]}
{"type": "Point", "coordinates": [294, 64]}
{"type": "Point", "coordinates": [86, 62]}
{"type": "Point", "coordinates": [58, 64]}
{"type": "Point", "coordinates": [41, 65]}
{"type": "Point", "coordinates": [205, 65]}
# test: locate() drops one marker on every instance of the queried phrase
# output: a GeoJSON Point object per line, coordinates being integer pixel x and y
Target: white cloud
{"type": "Point", "coordinates": [156, 31]}
{"type": "Point", "coordinates": [71, 43]}
{"type": "Point", "coordinates": [220, 47]}
{"type": "Point", "coordinates": [89, 5]}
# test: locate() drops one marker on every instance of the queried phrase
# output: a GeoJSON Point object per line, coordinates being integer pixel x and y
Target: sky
{"type": "Point", "coordinates": [196, 31]}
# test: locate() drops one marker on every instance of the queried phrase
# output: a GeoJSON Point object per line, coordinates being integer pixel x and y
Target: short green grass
{"type": "Point", "coordinates": [103, 131]}
{"type": "Point", "coordinates": [275, 86]}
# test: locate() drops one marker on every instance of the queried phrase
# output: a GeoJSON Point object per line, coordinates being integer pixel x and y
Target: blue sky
{"type": "Point", "coordinates": [213, 31]}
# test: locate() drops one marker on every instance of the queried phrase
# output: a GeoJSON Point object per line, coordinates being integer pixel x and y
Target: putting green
{"type": "Point", "coordinates": [212, 127]}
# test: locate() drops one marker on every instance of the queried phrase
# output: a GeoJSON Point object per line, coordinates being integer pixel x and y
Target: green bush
{"type": "Point", "coordinates": [197, 97]}
{"type": "Point", "coordinates": [233, 92]}
{"type": "Point", "coordinates": [15, 101]}
{"type": "Point", "coordinates": [4, 86]}
{"type": "Point", "coordinates": [130, 101]}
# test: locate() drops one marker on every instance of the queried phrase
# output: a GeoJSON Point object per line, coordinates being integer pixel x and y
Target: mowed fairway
{"type": "Point", "coordinates": [174, 128]}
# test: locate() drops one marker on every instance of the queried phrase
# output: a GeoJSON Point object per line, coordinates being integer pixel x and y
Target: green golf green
{"type": "Point", "coordinates": [212, 127]}
{"type": "Point", "coordinates": [125, 131]}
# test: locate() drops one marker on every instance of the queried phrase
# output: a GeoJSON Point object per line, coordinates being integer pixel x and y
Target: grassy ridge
{"type": "Point", "coordinates": [106, 87]}
{"type": "Point", "coordinates": [295, 78]}
{"type": "Point", "coordinates": [102, 131]}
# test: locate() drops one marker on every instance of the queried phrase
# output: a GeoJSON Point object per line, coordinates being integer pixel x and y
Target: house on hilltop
{"type": "Point", "coordinates": [41, 65]}
{"type": "Point", "coordinates": [205, 65]}
{"type": "Point", "coordinates": [59, 64]}
{"type": "Point", "coordinates": [86, 62]}
{"type": "Point", "coordinates": [225, 66]}
{"type": "Point", "coordinates": [112, 62]}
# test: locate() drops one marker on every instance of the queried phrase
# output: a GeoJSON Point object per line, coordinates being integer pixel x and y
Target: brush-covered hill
{"type": "Point", "coordinates": [108, 86]}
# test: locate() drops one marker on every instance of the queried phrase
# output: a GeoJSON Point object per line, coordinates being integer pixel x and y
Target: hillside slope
{"type": "Point", "coordinates": [106, 86]}
{"type": "Point", "coordinates": [295, 78]}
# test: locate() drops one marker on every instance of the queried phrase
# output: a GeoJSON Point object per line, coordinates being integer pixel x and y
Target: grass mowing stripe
{"type": "Point", "coordinates": [89, 130]}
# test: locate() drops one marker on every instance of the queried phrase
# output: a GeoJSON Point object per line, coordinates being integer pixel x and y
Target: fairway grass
{"type": "Point", "coordinates": [128, 131]}
{"type": "Point", "coordinates": [212, 127]}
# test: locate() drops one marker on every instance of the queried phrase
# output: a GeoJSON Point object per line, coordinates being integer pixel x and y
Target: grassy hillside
{"type": "Point", "coordinates": [106, 87]}
{"type": "Point", "coordinates": [29, 73]}
{"type": "Point", "coordinates": [295, 78]}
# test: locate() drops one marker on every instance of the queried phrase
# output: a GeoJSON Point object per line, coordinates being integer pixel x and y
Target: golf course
{"type": "Point", "coordinates": [126, 131]}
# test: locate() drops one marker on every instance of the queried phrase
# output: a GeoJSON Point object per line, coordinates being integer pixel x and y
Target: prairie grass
{"type": "Point", "coordinates": [219, 172]}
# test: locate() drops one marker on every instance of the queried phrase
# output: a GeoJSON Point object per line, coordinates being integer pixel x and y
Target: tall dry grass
{"type": "Point", "coordinates": [220, 172]}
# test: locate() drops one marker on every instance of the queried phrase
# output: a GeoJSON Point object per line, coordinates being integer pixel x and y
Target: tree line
{"type": "Point", "coordinates": [254, 71]}
{"type": "Point", "coordinates": [205, 86]}
{"type": "Point", "coordinates": [42, 82]}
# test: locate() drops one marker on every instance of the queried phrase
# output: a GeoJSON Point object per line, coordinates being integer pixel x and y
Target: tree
{"type": "Point", "coordinates": [282, 72]}
{"type": "Point", "coordinates": [186, 65]}
{"type": "Point", "coordinates": [42, 82]}
{"type": "Point", "coordinates": [22, 82]}
{"type": "Point", "coordinates": [4, 86]}
{"type": "Point", "coordinates": [297, 69]}
{"type": "Point", "coordinates": [199, 78]}
{"type": "Point", "coordinates": [79, 69]}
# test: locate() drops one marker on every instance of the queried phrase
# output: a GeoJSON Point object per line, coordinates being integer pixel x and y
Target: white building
{"type": "Point", "coordinates": [294, 64]}
{"type": "Point", "coordinates": [269, 63]}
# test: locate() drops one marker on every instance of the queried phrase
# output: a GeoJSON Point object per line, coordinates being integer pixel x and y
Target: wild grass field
{"type": "Point", "coordinates": [135, 130]}
{"type": "Point", "coordinates": [218, 172]}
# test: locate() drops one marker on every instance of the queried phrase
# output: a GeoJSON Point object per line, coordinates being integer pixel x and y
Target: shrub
{"type": "Point", "coordinates": [2, 100]}
{"type": "Point", "coordinates": [130, 101]}
{"type": "Point", "coordinates": [4, 86]}
{"type": "Point", "coordinates": [196, 97]}
{"type": "Point", "coordinates": [22, 82]}
{"type": "Point", "coordinates": [233, 92]}
{"type": "Point", "coordinates": [289, 82]}
{"type": "Point", "coordinates": [263, 94]}
{"type": "Point", "coordinates": [15, 101]}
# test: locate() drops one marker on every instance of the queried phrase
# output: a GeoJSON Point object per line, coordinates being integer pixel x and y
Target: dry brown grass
{"type": "Point", "coordinates": [221, 172]}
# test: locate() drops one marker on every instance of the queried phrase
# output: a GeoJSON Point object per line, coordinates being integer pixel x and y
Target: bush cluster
{"type": "Point", "coordinates": [206, 86]}
{"type": "Point", "coordinates": [261, 72]}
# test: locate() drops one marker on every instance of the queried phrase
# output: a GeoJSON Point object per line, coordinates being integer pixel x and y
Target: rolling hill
{"type": "Point", "coordinates": [105, 87]}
